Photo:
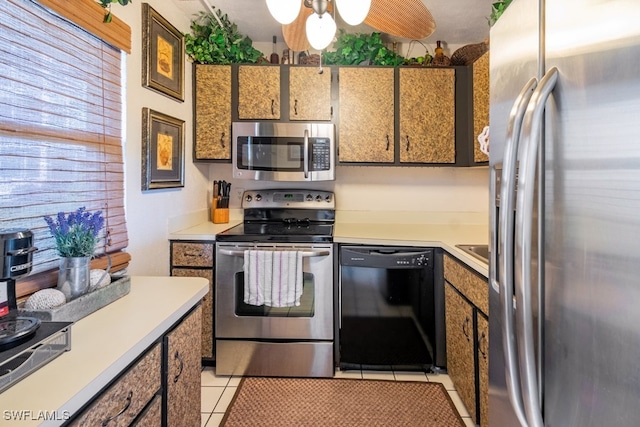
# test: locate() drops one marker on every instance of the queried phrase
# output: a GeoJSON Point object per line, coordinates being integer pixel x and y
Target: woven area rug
{"type": "Point", "coordinates": [340, 402]}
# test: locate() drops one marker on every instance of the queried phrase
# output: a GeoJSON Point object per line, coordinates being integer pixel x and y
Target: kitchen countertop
{"type": "Point", "coordinates": [428, 229]}
{"type": "Point", "coordinates": [103, 344]}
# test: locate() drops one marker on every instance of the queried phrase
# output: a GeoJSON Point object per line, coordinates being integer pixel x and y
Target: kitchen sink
{"type": "Point", "coordinates": [480, 252]}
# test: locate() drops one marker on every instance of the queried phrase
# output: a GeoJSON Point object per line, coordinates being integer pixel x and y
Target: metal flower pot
{"type": "Point", "coordinates": [74, 276]}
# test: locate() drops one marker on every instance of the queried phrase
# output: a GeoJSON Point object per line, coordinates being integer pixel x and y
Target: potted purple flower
{"type": "Point", "coordinates": [76, 236]}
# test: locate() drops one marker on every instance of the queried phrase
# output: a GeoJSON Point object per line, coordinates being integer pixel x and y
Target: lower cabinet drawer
{"type": "Point", "coordinates": [152, 416]}
{"type": "Point", "coordinates": [121, 403]}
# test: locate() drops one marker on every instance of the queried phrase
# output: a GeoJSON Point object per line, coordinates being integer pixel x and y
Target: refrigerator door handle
{"type": "Point", "coordinates": [505, 247]}
{"type": "Point", "coordinates": [523, 246]}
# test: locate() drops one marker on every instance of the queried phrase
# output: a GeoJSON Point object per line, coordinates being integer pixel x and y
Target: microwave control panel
{"type": "Point", "coordinates": [320, 154]}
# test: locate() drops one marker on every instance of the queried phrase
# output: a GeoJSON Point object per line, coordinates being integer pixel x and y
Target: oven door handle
{"type": "Point", "coordinates": [307, 254]}
{"type": "Point", "coordinates": [306, 154]}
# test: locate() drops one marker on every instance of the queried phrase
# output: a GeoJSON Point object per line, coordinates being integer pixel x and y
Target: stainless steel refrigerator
{"type": "Point", "coordinates": [565, 218]}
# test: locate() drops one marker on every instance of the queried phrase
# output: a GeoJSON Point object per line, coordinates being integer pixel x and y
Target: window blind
{"type": "Point", "coordinates": [61, 126]}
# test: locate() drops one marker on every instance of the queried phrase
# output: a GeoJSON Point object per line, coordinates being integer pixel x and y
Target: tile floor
{"type": "Point", "coordinates": [217, 391]}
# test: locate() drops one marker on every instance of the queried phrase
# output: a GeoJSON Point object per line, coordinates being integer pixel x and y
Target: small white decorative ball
{"type": "Point", "coordinates": [95, 277]}
{"type": "Point", "coordinates": [45, 299]}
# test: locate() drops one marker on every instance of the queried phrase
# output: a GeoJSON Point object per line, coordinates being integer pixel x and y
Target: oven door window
{"type": "Point", "coordinates": [277, 154]}
{"type": "Point", "coordinates": [305, 309]}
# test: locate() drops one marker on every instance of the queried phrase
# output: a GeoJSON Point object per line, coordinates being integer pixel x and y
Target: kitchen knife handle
{"type": "Point", "coordinates": [504, 257]}
{"type": "Point", "coordinates": [531, 127]}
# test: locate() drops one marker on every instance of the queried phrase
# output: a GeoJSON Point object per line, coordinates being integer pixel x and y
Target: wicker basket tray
{"type": "Point", "coordinates": [467, 55]}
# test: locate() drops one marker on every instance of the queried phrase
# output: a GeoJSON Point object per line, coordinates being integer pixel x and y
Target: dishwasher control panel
{"type": "Point", "coordinates": [386, 257]}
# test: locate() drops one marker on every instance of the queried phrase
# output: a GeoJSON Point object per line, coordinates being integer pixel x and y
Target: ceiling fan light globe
{"type": "Point", "coordinates": [284, 11]}
{"type": "Point", "coordinates": [353, 12]}
{"type": "Point", "coordinates": [320, 30]}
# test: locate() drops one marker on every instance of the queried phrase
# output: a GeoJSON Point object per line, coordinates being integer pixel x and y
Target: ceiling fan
{"type": "Point", "coordinates": [312, 19]}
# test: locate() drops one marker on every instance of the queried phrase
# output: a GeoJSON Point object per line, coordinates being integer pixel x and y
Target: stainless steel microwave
{"type": "Point", "coordinates": [274, 151]}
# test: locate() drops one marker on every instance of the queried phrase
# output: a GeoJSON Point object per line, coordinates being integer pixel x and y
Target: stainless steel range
{"type": "Point", "coordinates": [275, 287]}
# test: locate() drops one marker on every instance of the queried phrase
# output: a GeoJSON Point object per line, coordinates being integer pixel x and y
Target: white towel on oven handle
{"type": "Point", "coordinates": [287, 284]}
{"type": "Point", "coordinates": [273, 278]}
{"type": "Point", "coordinates": [257, 277]}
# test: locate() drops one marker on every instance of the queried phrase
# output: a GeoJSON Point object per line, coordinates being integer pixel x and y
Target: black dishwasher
{"type": "Point", "coordinates": [391, 308]}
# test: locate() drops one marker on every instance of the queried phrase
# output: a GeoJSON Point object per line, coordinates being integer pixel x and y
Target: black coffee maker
{"type": "Point", "coordinates": [16, 260]}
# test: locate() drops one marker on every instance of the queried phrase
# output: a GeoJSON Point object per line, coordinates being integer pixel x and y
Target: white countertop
{"type": "Point", "coordinates": [103, 344]}
{"type": "Point", "coordinates": [432, 229]}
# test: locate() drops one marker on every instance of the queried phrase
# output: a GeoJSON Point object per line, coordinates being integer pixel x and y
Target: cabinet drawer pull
{"type": "Point", "coordinates": [122, 411]}
{"type": "Point", "coordinates": [388, 142]}
{"type": "Point", "coordinates": [465, 328]}
{"type": "Point", "coordinates": [180, 366]}
{"type": "Point", "coordinates": [295, 107]}
{"type": "Point", "coordinates": [482, 348]}
{"type": "Point", "coordinates": [407, 142]}
{"type": "Point", "coordinates": [222, 140]}
{"type": "Point", "coordinates": [193, 254]}
{"type": "Point", "coordinates": [273, 107]}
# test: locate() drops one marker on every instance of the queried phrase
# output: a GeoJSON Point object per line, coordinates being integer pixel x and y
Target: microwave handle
{"type": "Point", "coordinates": [306, 154]}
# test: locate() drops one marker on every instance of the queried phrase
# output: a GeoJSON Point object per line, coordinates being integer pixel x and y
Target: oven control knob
{"type": "Point", "coordinates": [258, 197]}
{"type": "Point", "coordinates": [318, 198]}
{"type": "Point", "coordinates": [309, 197]}
{"type": "Point", "coordinates": [327, 199]}
{"type": "Point", "coordinates": [248, 198]}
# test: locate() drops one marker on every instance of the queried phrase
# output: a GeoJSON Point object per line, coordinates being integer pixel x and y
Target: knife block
{"type": "Point", "coordinates": [219, 215]}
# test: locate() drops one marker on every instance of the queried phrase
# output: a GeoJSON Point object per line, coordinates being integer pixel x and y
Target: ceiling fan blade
{"type": "Point", "coordinates": [402, 18]}
{"type": "Point", "coordinates": [295, 34]}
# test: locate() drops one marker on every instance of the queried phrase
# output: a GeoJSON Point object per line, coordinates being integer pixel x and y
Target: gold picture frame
{"type": "Point", "coordinates": [163, 53]}
{"type": "Point", "coordinates": [162, 151]}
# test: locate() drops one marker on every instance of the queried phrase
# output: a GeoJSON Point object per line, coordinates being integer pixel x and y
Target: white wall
{"type": "Point", "coordinates": [148, 212]}
{"type": "Point", "coordinates": [357, 188]}
{"type": "Point", "coordinates": [365, 188]}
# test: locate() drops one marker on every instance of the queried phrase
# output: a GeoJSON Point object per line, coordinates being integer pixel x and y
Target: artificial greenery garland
{"type": "Point", "coordinates": [211, 43]}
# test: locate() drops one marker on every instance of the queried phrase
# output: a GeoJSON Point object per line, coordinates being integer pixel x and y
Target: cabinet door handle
{"type": "Point", "coordinates": [407, 142]}
{"type": "Point", "coordinates": [273, 107]}
{"type": "Point", "coordinates": [295, 107]}
{"type": "Point", "coordinates": [222, 140]}
{"type": "Point", "coordinates": [127, 403]}
{"type": "Point", "coordinates": [331, 111]}
{"type": "Point", "coordinates": [465, 327]}
{"type": "Point", "coordinates": [388, 142]}
{"type": "Point", "coordinates": [180, 366]}
{"type": "Point", "coordinates": [482, 348]}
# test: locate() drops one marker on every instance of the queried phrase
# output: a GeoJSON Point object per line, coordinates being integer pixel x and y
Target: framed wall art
{"type": "Point", "coordinates": [162, 151]}
{"type": "Point", "coordinates": [163, 53]}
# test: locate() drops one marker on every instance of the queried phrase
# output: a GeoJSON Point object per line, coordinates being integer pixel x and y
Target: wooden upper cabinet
{"type": "Point", "coordinates": [258, 92]}
{"type": "Point", "coordinates": [212, 112]}
{"type": "Point", "coordinates": [366, 130]}
{"type": "Point", "coordinates": [480, 104]}
{"type": "Point", "coordinates": [427, 115]}
{"type": "Point", "coordinates": [309, 93]}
